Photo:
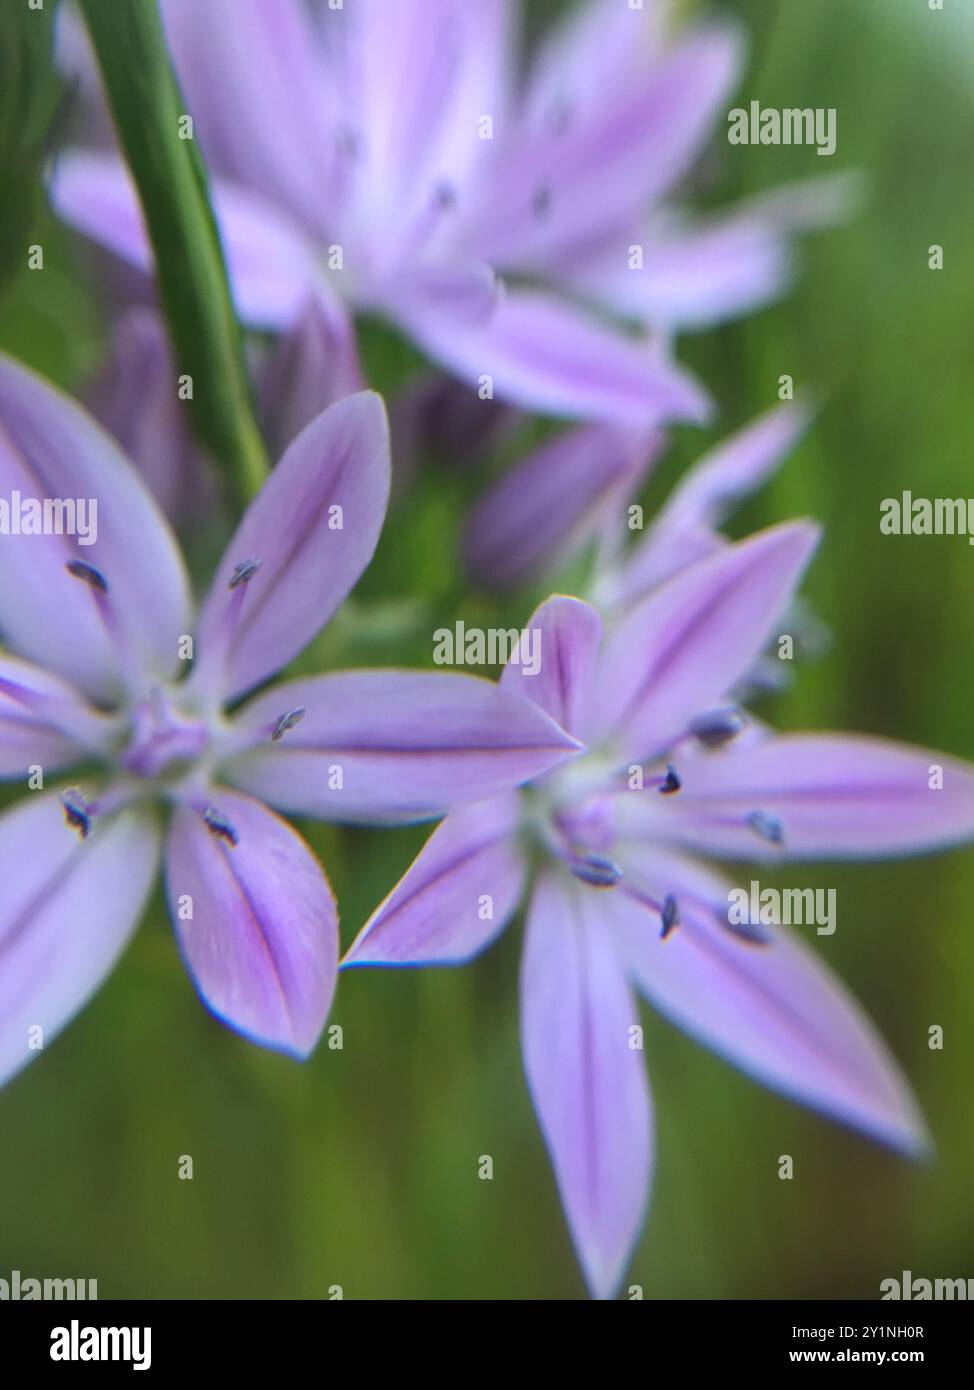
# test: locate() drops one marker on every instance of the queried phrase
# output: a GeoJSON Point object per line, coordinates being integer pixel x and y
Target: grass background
{"type": "Point", "coordinates": [360, 1168]}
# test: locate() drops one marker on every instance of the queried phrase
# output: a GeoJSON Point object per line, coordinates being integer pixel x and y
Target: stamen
{"type": "Point", "coordinates": [717, 727]}
{"type": "Point", "coordinates": [768, 827]}
{"type": "Point", "coordinates": [288, 721]}
{"type": "Point", "coordinates": [350, 143]}
{"type": "Point", "coordinates": [671, 783]}
{"type": "Point", "coordinates": [218, 824]}
{"type": "Point", "coordinates": [596, 870]}
{"type": "Point", "coordinates": [76, 811]}
{"type": "Point", "coordinates": [445, 196]}
{"type": "Point", "coordinates": [80, 570]}
{"type": "Point", "coordinates": [244, 572]}
{"type": "Point", "coordinates": [670, 916]}
{"type": "Point", "coordinates": [541, 202]}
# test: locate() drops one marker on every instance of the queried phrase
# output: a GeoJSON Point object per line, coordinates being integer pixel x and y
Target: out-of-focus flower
{"type": "Point", "coordinates": [577, 488]}
{"type": "Point", "coordinates": [138, 396]}
{"type": "Point", "coordinates": [620, 894]}
{"type": "Point", "coordinates": [100, 621]}
{"type": "Point", "coordinates": [386, 158]}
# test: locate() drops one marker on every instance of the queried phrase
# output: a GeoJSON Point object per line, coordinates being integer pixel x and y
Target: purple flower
{"type": "Point", "coordinates": [99, 632]}
{"type": "Point", "coordinates": [136, 397]}
{"type": "Point", "coordinates": [620, 896]}
{"type": "Point", "coordinates": [576, 488]}
{"type": "Point", "coordinates": [385, 157]}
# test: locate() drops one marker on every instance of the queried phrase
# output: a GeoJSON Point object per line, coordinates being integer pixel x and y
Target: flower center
{"type": "Point", "coordinates": [163, 740]}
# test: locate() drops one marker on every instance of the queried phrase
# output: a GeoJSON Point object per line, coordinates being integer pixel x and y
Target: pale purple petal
{"type": "Point", "coordinates": [416, 79]}
{"type": "Point", "coordinates": [313, 529]}
{"type": "Point", "coordinates": [261, 943]}
{"type": "Point", "coordinates": [587, 1077]}
{"type": "Point", "coordinates": [683, 531]}
{"type": "Point", "coordinates": [136, 398]}
{"type": "Point", "coordinates": [569, 634]}
{"type": "Point", "coordinates": [684, 647]}
{"type": "Point", "coordinates": [457, 895]}
{"type": "Point", "coordinates": [392, 745]}
{"type": "Point", "coordinates": [44, 722]}
{"type": "Point", "coordinates": [437, 414]}
{"type": "Point", "coordinates": [543, 354]}
{"type": "Point", "coordinates": [834, 795]}
{"type": "Point", "coordinates": [775, 1010]}
{"type": "Point", "coordinates": [453, 288]}
{"type": "Point", "coordinates": [69, 907]}
{"type": "Point", "coordinates": [590, 50]}
{"type": "Point", "coordinates": [554, 501]}
{"type": "Point", "coordinates": [690, 275]}
{"type": "Point", "coordinates": [310, 368]}
{"type": "Point", "coordinates": [557, 190]}
{"type": "Point", "coordinates": [271, 263]}
{"type": "Point", "coordinates": [52, 449]}
{"type": "Point", "coordinates": [259, 94]}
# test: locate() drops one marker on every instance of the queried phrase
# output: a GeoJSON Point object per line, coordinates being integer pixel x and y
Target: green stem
{"type": "Point", "coordinates": [150, 117]}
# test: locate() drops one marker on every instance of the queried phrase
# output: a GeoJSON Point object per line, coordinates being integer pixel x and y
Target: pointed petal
{"type": "Point", "coordinates": [421, 118]}
{"type": "Point", "coordinates": [553, 502]}
{"type": "Point", "coordinates": [310, 368]}
{"type": "Point", "coordinates": [588, 1084]}
{"type": "Point", "coordinates": [44, 721]}
{"type": "Point", "coordinates": [270, 261]}
{"type": "Point", "coordinates": [835, 795]}
{"type": "Point", "coordinates": [265, 112]}
{"type": "Point", "coordinates": [693, 275]}
{"type": "Point", "coordinates": [726, 474]}
{"type": "Point", "coordinates": [597, 170]}
{"type": "Point", "coordinates": [408, 745]}
{"type": "Point", "coordinates": [51, 448]}
{"type": "Point", "coordinates": [457, 288]}
{"type": "Point", "coordinates": [262, 944]}
{"type": "Point", "coordinates": [455, 898]}
{"type": "Point", "coordinates": [686, 645]}
{"type": "Point", "coordinates": [776, 1011]}
{"type": "Point", "coordinates": [69, 908]}
{"type": "Point", "coordinates": [569, 633]}
{"type": "Point", "coordinates": [135, 398]}
{"type": "Point", "coordinates": [313, 527]}
{"type": "Point", "coordinates": [545, 354]}
{"type": "Point", "coordinates": [590, 50]}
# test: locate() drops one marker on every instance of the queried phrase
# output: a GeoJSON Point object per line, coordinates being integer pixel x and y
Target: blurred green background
{"type": "Point", "coordinates": [360, 1168]}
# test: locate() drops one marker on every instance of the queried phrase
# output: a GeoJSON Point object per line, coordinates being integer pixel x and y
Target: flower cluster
{"type": "Point", "coordinates": [512, 214]}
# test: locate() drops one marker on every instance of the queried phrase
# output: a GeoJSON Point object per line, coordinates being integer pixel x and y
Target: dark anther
{"type": "Point", "coordinates": [717, 727]}
{"type": "Point", "coordinates": [288, 721]}
{"type": "Point", "coordinates": [596, 870]}
{"type": "Point", "coordinates": [445, 196]}
{"type": "Point", "coordinates": [89, 574]}
{"type": "Point", "coordinates": [76, 811]}
{"type": "Point", "coordinates": [218, 824]}
{"type": "Point", "coordinates": [669, 916]}
{"type": "Point", "coordinates": [672, 782]}
{"type": "Point", "coordinates": [541, 202]}
{"type": "Point", "coordinates": [768, 827]}
{"type": "Point", "coordinates": [244, 572]}
{"type": "Point", "coordinates": [350, 143]}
